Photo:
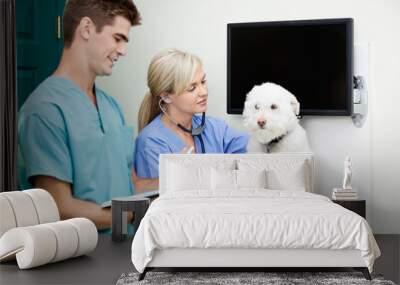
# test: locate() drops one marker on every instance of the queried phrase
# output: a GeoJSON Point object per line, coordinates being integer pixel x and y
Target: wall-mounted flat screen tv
{"type": "Point", "coordinates": [313, 59]}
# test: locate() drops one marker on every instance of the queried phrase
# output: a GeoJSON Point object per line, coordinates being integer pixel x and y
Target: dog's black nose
{"type": "Point", "coordinates": [261, 123]}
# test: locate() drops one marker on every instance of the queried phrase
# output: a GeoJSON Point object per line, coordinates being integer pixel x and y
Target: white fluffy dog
{"type": "Point", "coordinates": [270, 113]}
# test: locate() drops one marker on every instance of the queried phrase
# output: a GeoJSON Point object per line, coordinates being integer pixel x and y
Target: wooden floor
{"type": "Point", "coordinates": [389, 262]}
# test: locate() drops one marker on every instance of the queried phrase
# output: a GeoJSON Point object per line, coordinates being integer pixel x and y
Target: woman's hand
{"type": "Point", "coordinates": [144, 184]}
{"type": "Point", "coordinates": [187, 150]}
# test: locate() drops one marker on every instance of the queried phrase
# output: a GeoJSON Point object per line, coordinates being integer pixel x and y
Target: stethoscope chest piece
{"type": "Point", "coordinates": [196, 132]}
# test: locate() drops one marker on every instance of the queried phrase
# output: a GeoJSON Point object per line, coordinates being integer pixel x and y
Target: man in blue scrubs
{"type": "Point", "coordinates": [73, 138]}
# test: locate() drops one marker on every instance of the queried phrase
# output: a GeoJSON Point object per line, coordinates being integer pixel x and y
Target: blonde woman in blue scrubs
{"type": "Point", "coordinates": [172, 115]}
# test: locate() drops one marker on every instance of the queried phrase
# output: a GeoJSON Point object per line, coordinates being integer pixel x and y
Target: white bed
{"type": "Point", "coordinates": [250, 210]}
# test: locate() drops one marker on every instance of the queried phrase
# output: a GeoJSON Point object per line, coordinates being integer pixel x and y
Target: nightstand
{"type": "Point", "coordinates": [120, 208]}
{"type": "Point", "coordinates": [357, 206]}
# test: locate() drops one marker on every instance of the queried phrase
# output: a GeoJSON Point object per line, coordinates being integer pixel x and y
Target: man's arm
{"type": "Point", "coordinates": [144, 184]}
{"type": "Point", "coordinates": [70, 207]}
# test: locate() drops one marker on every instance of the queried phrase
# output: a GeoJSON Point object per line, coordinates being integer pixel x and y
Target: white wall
{"type": "Point", "coordinates": [200, 27]}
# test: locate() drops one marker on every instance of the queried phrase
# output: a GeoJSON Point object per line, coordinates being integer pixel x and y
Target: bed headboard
{"type": "Point", "coordinates": [278, 162]}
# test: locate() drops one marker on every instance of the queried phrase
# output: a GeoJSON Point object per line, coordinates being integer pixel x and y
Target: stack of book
{"type": "Point", "coordinates": [344, 194]}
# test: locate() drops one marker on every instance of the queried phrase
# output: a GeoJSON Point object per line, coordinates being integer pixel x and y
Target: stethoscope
{"type": "Point", "coordinates": [196, 132]}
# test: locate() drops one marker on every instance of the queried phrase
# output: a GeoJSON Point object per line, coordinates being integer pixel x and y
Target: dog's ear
{"type": "Point", "coordinates": [295, 104]}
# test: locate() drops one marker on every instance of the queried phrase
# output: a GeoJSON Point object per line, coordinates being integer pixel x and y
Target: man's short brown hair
{"type": "Point", "coordinates": [101, 12]}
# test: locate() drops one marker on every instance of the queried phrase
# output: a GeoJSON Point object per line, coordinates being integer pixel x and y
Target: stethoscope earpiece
{"type": "Point", "coordinates": [166, 99]}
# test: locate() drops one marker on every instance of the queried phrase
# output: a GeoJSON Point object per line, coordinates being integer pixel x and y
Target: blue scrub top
{"type": "Point", "coordinates": [63, 135]}
{"type": "Point", "coordinates": [156, 138]}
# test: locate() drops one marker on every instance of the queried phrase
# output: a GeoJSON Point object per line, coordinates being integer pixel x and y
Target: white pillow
{"type": "Point", "coordinates": [193, 172]}
{"type": "Point", "coordinates": [182, 177]}
{"type": "Point", "coordinates": [223, 179]}
{"type": "Point", "coordinates": [281, 174]}
{"type": "Point", "coordinates": [290, 179]}
{"type": "Point", "coordinates": [227, 179]}
{"type": "Point", "coordinates": [251, 178]}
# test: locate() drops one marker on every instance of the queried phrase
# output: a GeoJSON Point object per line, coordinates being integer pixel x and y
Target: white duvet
{"type": "Point", "coordinates": [252, 218]}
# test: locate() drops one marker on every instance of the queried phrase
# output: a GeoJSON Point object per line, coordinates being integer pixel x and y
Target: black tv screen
{"type": "Point", "coordinates": [313, 59]}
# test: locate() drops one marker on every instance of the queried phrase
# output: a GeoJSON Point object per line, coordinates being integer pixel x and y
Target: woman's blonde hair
{"type": "Point", "coordinates": [170, 71]}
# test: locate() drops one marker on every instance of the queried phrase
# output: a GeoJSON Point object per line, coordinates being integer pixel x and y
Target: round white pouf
{"type": "Point", "coordinates": [6, 215]}
{"type": "Point", "coordinates": [87, 235]}
{"type": "Point", "coordinates": [23, 208]}
{"type": "Point", "coordinates": [45, 243]}
{"type": "Point", "coordinates": [67, 240]}
{"type": "Point", "coordinates": [34, 245]}
{"type": "Point", "coordinates": [46, 207]}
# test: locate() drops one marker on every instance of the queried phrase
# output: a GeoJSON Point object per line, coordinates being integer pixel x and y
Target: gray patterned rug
{"type": "Point", "coordinates": [242, 278]}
